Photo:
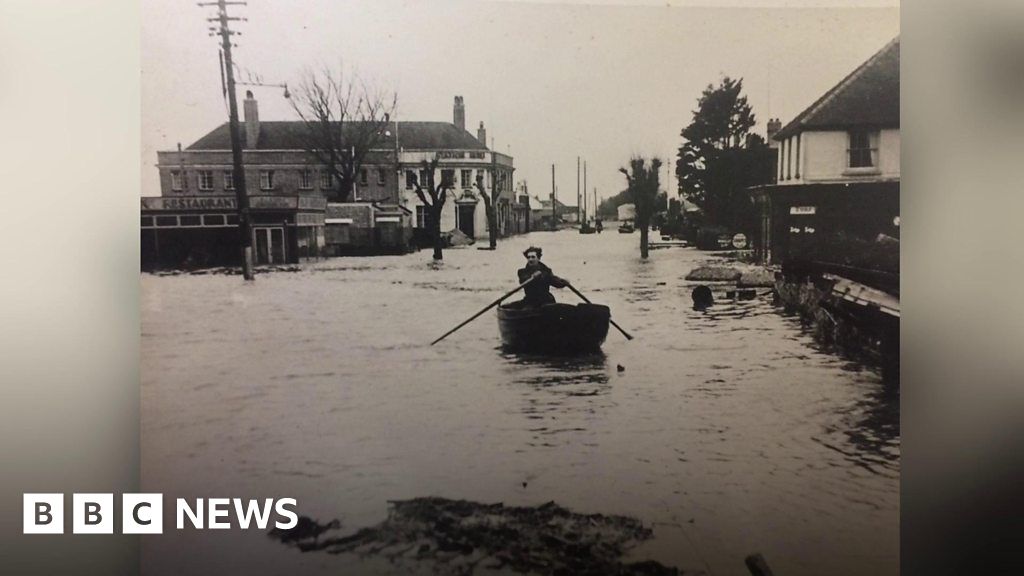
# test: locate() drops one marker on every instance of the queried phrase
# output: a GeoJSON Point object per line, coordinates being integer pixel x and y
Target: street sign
{"type": "Point", "coordinates": [739, 241]}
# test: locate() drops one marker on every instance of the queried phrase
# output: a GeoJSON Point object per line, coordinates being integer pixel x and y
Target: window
{"type": "Point", "coordinates": [206, 179]}
{"type": "Point", "coordinates": [424, 181]}
{"type": "Point", "coordinates": [266, 179]}
{"type": "Point", "coordinates": [306, 179]}
{"type": "Point", "coordinates": [410, 176]}
{"type": "Point", "coordinates": [229, 180]}
{"type": "Point", "coordinates": [382, 176]}
{"type": "Point", "coordinates": [175, 180]}
{"type": "Point", "coordinates": [422, 216]}
{"type": "Point", "coordinates": [467, 178]}
{"type": "Point", "coordinates": [363, 177]}
{"type": "Point", "coordinates": [326, 181]}
{"type": "Point", "coordinates": [448, 177]}
{"type": "Point", "coordinates": [213, 220]}
{"type": "Point", "coordinates": [863, 151]}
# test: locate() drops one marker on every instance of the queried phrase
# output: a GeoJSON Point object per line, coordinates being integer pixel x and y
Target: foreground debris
{"type": "Point", "coordinates": [459, 537]}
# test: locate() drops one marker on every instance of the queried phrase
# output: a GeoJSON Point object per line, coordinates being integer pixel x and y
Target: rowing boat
{"type": "Point", "coordinates": [553, 328]}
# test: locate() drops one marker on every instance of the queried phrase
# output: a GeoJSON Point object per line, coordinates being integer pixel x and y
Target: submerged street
{"type": "Point", "coordinates": [726, 431]}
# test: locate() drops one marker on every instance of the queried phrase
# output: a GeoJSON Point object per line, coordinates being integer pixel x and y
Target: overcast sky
{"type": "Point", "coordinates": [551, 81]}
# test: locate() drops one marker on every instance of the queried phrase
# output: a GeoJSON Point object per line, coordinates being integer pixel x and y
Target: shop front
{"type": "Point", "coordinates": [202, 231]}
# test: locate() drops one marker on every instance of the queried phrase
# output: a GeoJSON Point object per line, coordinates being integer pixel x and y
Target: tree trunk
{"type": "Point", "coordinates": [435, 226]}
{"type": "Point", "coordinates": [644, 227]}
{"type": "Point", "coordinates": [492, 225]}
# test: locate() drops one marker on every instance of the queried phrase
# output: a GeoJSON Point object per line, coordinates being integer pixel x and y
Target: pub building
{"type": "Point", "coordinates": [295, 206]}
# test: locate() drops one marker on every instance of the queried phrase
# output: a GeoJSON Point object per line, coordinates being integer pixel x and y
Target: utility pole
{"type": "Point", "coordinates": [584, 190]}
{"type": "Point", "coordinates": [579, 204]}
{"type": "Point", "coordinates": [554, 212]}
{"type": "Point", "coordinates": [241, 196]}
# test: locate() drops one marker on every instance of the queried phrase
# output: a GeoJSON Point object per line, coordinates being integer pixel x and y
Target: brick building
{"type": "Point", "coordinates": [293, 199]}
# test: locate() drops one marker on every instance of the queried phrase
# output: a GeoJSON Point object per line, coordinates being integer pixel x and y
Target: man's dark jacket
{"type": "Point", "coordinates": [539, 291]}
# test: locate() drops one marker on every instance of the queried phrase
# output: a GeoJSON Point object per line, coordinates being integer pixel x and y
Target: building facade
{"type": "Point", "coordinates": [838, 169]}
{"type": "Point", "coordinates": [294, 201]}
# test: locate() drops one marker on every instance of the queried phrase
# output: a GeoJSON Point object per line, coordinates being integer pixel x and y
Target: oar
{"type": "Point", "coordinates": [489, 306]}
{"type": "Point", "coordinates": [624, 333]}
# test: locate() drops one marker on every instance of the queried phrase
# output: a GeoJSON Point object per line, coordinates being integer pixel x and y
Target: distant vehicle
{"type": "Point", "coordinates": [626, 228]}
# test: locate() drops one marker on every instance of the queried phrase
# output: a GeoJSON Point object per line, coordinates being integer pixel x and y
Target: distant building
{"type": "Point", "coordinates": [838, 167]}
{"type": "Point", "coordinates": [294, 200]}
{"type": "Point", "coordinates": [542, 215]}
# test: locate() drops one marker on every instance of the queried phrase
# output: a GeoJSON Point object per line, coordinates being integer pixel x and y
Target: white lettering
{"type": "Point", "coordinates": [184, 509]}
{"type": "Point", "coordinates": [251, 511]}
{"type": "Point", "coordinates": [218, 509]}
{"type": "Point", "coordinates": [282, 511]}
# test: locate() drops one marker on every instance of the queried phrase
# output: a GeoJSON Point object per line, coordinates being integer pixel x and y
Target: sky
{"type": "Point", "coordinates": [551, 81]}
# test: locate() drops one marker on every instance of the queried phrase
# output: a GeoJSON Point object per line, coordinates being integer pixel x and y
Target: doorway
{"type": "Point", "coordinates": [270, 247]}
{"type": "Point", "coordinates": [464, 216]}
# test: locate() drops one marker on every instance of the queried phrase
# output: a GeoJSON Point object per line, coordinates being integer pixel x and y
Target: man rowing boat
{"type": "Point", "coordinates": [538, 291]}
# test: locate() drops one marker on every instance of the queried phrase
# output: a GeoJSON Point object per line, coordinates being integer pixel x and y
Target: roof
{"type": "Point", "coordinates": [288, 135]}
{"type": "Point", "coordinates": [868, 96]}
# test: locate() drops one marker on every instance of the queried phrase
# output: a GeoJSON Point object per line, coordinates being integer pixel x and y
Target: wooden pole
{"type": "Point", "coordinates": [488, 307]}
{"type": "Point", "coordinates": [241, 196]}
{"type": "Point", "coordinates": [577, 292]}
{"type": "Point", "coordinates": [554, 213]}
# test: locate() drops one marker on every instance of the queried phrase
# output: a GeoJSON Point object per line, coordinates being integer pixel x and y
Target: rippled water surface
{"type": "Point", "coordinates": [728, 431]}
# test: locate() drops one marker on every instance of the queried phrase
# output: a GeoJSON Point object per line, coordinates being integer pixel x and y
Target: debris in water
{"type": "Point", "coordinates": [458, 536]}
{"type": "Point", "coordinates": [620, 367]}
{"type": "Point", "coordinates": [702, 297]}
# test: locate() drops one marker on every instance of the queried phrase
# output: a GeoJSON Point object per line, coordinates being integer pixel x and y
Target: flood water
{"type": "Point", "coordinates": [728, 431]}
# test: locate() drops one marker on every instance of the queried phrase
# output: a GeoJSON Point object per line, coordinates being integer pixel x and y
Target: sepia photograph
{"type": "Point", "coordinates": [521, 287]}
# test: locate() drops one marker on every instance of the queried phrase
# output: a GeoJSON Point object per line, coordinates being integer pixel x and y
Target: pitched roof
{"type": "Point", "coordinates": [870, 95]}
{"type": "Point", "coordinates": [289, 136]}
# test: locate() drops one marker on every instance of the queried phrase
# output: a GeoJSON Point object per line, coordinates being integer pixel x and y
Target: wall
{"type": "Point", "coordinates": [822, 157]}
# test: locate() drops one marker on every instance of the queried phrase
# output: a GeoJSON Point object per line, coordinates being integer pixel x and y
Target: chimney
{"type": "Point", "coordinates": [481, 134]}
{"type": "Point", "coordinates": [252, 121]}
{"type": "Point", "coordinates": [460, 114]}
{"type": "Point", "coordinates": [773, 126]}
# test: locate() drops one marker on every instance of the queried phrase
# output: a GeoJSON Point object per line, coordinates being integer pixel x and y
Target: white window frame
{"type": "Point", "coordinates": [205, 180]}
{"type": "Point", "coordinates": [305, 179]}
{"type": "Point", "coordinates": [266, 179]}
{"type": "Point", "coordinates": [326, 180]}
{"type": "Point", "coordinates": [873, 136]}
{"type": "Point", "coordinates": [467, 178]}
{"type": "Point", "coordinates": [229, 180]}
{"type": "Point", "coordinates": [421, 216]}
{"type": "Point", "coordinates": [177, 180]}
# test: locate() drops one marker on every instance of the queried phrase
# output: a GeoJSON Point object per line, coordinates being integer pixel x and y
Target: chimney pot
{"type": "Point", "coordinates": [252, 121]}
{"type": "Point", "coordinates": [460, 114]}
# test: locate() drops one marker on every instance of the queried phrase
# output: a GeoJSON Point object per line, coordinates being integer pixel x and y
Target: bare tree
{"type": "Point", "coordinates": [344, 119]}
{"type": "Point", "coordinates": [433, 197]}
{"type": "Point", "coordinates": [490, 204]}
{"type": "Point", "coordinates": [643, 188]}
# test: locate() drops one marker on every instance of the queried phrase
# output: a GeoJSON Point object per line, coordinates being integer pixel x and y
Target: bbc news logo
{"type": "Point", "coordinates": [144, 513]}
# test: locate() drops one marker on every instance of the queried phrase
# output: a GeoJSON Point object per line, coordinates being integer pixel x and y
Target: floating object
{"type": "Point", "coordinates": [702, 297]}
{"type": "Point", "coordinates": [620, 367]}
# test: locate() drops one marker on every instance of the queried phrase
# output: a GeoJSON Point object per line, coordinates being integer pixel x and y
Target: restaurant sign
{"type": "Point", "coordinates": [189, 203]}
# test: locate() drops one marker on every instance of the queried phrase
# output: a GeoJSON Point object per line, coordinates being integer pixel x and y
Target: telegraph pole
{"type": "Point", "coordinates": [554, 213]}
{"type": "Point", "coordinates": [241, 196]}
